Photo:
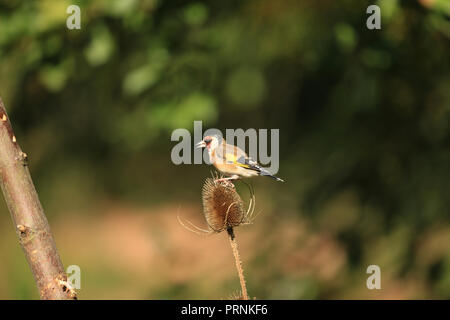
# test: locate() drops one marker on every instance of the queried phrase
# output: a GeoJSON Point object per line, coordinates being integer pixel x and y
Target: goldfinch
{"type": "Point", "coordinates": [232, 161]}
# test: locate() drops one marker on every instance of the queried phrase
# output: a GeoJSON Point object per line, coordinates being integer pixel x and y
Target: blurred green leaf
{"type": "Point", "coordinates": [246, 87]}
{"type": "Point", "coordinates": [388, 8]}
{"type": "Point", "coordinates": [196, 14]}
{"type": "Point", "coordinates": [101, 47]}
{"type": "Point", "coordinates": [196, 106]}
{"type": "Point", "coordinates": [345, 36]}
{"type": "Point", "coordinates": [54, 77]}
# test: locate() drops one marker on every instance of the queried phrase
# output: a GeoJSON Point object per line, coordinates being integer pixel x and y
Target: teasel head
{"type": "Point", "coordinates": [223, 207]}
{"type": "Point", "coordinates": [224, 210]}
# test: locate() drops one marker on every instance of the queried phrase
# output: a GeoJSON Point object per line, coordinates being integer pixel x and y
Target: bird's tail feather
{"type": "Point", "coordinates": [267, 174]}
{"type": "Point", "coordinates": [273, 177]}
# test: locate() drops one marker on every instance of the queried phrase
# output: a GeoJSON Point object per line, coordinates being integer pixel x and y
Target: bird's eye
{"type": "Point", "coordinates": [208, 140]}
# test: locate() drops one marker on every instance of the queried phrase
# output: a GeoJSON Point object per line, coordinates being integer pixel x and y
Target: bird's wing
{"type": "Point", "coordinates": [230, 154]}
{"type": "Point", "coordinates": [235, 155]}
{"type": "Point", "coordinates": [248, 163]}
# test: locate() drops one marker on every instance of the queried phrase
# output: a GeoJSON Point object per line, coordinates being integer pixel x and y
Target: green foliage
{"type": "Point", "coordinates": [363, 115]}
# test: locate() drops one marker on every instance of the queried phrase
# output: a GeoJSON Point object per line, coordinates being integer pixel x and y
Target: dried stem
{"type": "Point", "coordinates": [28, 217]}
{"type": "Point", "coordinates": [238, 261]}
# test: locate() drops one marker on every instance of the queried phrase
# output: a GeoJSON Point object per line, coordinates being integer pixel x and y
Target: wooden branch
{"type": "Point", "coordinates": [28, 217]}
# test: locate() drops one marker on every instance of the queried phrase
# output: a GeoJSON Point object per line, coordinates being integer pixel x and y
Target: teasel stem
{"type": "Point", "coordinates": [28, 217]}
{"type": "Point", "coordinates": [237, 258]}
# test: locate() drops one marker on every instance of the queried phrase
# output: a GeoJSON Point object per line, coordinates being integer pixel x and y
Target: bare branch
{"type": "Point", "coordinates": [28, 217]}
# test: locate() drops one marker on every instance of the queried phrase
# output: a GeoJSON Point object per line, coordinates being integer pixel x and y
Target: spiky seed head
{"type": "Point", "coordinates": [222, 206]}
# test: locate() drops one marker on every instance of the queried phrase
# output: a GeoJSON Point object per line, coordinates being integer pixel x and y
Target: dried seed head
{"type": "Point", "coordinates": [222, 206]}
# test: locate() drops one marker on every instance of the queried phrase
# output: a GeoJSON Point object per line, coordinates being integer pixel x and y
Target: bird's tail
{"type": "Point", "coordinates": [268, 174]}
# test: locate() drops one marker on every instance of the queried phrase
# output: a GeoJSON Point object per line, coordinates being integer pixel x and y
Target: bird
{"type": "Point", "coordinates": [231, 160]}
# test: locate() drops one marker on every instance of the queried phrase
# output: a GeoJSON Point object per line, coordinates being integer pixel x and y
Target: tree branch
{"type": "Point", "coordinates": [28, 217]}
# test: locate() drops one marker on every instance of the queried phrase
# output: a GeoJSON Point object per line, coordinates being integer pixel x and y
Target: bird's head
{"type": "Point", "coordinates": [209, 142]}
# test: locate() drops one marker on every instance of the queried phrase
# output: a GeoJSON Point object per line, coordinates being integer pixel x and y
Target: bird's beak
{"type": "Point", "coordinates": [201, 144]}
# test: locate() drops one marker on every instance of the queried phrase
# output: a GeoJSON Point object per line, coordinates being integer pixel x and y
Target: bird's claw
{"type": "Point", "coordinates": [226, 181]}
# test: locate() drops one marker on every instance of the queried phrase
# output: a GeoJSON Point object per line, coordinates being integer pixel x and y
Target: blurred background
{"type": "Point", "coordinates": [364, 144]}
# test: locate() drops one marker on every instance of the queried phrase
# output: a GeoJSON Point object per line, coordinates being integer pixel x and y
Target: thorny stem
{"type": "Point", "coordinates": [28, 217]}
{"type": "Point", "coordinates": [238, 261]}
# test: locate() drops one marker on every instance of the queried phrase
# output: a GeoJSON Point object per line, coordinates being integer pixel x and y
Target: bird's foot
{"type": "Point", "coordinates": [227, 181]}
